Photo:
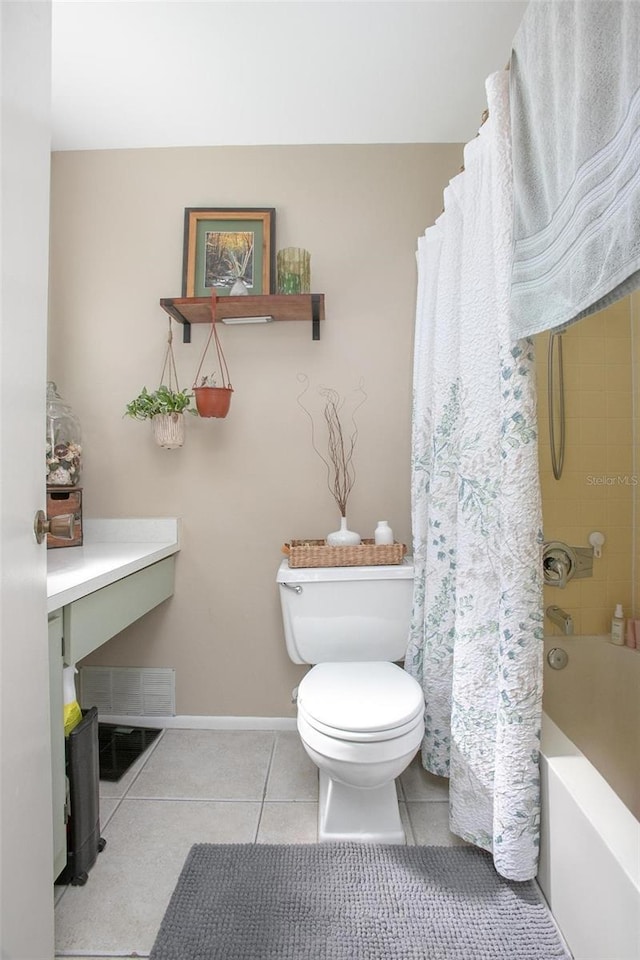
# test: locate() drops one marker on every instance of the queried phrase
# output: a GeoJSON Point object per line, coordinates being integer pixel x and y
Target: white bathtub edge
{"type": "Point", "coordinates": [614, 822]}
{"type": "Point", "coordinates": [589, 855]}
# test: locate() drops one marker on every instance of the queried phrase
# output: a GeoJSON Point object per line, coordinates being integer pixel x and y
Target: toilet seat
{"type": "Point", "coordinates": [343, 748]}
{"type": "Point", "coordinates": [359, 736]}
{"type": "Point", "coordinates": [360, 702]}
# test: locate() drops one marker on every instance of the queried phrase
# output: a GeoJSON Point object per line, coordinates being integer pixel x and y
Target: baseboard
{"type": "Point", "coordinates": [203, 723]}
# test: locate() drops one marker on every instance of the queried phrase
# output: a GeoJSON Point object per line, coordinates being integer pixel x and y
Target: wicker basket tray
{"type": "Point", "coordinates": [316, 553]}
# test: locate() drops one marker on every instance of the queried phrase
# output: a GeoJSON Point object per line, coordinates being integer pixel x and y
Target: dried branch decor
{"type": "Point", "coordinates": [341, 441]}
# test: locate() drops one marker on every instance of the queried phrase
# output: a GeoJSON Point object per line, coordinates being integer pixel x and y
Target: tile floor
{"type": "Point", "coordinates": [204, 786]}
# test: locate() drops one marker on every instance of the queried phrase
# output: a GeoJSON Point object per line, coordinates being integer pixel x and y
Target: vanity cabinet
{"type": "Point", "coordinates": [92, 620]}
{"type": "Point", "coordinates": [75, 630]}
{"type": "Point", "coordinates": [56, 707]}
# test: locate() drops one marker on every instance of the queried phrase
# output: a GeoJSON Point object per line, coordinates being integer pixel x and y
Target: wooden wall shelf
{"type": "Point", "coordinates": [303, 306]}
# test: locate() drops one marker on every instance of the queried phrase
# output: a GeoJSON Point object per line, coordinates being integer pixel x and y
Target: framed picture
{"type": "Point", "coordinates": [228, 244]}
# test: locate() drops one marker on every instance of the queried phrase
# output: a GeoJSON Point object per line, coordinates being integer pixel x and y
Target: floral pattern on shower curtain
{"type": "Point", "coordinates": [476, 634]}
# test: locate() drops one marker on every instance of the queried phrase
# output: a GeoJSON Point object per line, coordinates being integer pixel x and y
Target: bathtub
{"type": "Point", "coordinates": [595, 700]}
{"type": "Point", "coordinates": [590, 839]}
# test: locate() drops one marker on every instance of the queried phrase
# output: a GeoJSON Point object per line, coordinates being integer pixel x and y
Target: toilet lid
{"type": "Point", "coordinates": [361, 697]}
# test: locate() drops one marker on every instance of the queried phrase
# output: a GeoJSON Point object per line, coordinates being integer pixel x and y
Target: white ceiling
{"type": "Point", "coordinates": [148, 73]}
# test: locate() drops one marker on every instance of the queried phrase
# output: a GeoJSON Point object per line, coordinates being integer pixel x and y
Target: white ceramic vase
{"type": "Point", "coordinates": [383, 534]}
{"type": "Point", "coordinates": [343, 537]}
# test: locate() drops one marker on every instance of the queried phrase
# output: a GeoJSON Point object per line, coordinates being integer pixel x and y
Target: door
{"type": "Point", "coordinates": [26, 862]}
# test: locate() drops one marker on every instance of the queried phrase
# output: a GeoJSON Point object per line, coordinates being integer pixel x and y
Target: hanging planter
{"type": "Point", "coordinates": [166, 406]}
{"type": "Point", "coordinates": [213, 401]}
{"type": "Point", "coordinates": [168, 430]}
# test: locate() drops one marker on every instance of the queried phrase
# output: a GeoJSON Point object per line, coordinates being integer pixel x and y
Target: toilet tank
{"type": "Point", "coordinates": [346, 613]}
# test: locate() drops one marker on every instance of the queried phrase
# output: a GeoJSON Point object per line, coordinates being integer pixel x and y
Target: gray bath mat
{"type": "Point", "coordinates": [351, 902]}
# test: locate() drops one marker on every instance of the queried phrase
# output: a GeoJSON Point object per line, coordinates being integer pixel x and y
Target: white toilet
{"type": "Point", "coordinates": [360, 716]}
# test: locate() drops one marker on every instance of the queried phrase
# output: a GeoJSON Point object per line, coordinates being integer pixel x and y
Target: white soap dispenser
{"type": "Point", "coordinates": [383, 533]}
{"type": "Point", "coordinates": [617, 626]}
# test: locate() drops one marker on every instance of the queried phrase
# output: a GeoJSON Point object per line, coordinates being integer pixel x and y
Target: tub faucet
{"type": "Point", "coordinates": [561, 619]}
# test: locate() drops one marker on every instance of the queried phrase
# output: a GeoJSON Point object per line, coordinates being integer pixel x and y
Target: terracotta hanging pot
{"type": "Point", "coordinates": [213, 401]}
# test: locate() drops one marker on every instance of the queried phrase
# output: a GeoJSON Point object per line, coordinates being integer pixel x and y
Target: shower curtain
{"type": "Point", "coordinates": [476, 633]}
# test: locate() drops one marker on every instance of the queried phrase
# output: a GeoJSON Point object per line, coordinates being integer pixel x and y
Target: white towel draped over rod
{"type": "Point", "coordinates": [575, 119]}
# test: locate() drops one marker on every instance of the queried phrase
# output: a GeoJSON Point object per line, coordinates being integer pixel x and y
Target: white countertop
{"type": "Point", "coordinates": [111, 549]}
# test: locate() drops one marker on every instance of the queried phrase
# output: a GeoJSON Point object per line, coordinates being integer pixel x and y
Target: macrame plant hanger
{"type": "Point", "coordinates": [169, 365]}
{"type": "Point", "coordinates": [168, 428]}
{"type": "Point", "coordinates": [213, 401]}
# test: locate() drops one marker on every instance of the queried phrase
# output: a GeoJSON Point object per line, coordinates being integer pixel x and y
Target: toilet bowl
{"type": "Point", "coordinates": [361, 724]}
{"type": "Point", "coordinates": [360, 715]}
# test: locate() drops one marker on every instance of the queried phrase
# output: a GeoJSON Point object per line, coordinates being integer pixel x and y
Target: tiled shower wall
{"type": "Point", "coordinates": [598, 489]}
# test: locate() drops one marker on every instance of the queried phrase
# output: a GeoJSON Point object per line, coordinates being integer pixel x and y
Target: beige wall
{"type": "Point", "coordinates": [246, 484]}
{"type": "Point", "coordinates": [598, 488]}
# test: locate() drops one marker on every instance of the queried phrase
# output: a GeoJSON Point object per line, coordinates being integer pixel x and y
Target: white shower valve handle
{"type": "Point", "coordinates": [596, 539]}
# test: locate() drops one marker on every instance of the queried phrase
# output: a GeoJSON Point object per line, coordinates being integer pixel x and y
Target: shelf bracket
{"type": "Point", "coordinates": [186, 332]}
{"type": "Point", "coordinates": [315, 316]}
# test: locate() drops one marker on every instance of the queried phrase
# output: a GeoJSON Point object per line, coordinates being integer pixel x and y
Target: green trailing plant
{"type": "Point", "coordinates": [162, 401]}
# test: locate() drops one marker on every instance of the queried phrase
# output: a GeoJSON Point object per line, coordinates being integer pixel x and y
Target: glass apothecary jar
{"type": "Point", "coordinates": [64, 441]}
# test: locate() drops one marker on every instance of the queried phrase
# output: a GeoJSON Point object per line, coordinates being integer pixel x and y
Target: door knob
{"type": "Point", "coordinates": [62, 526]}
